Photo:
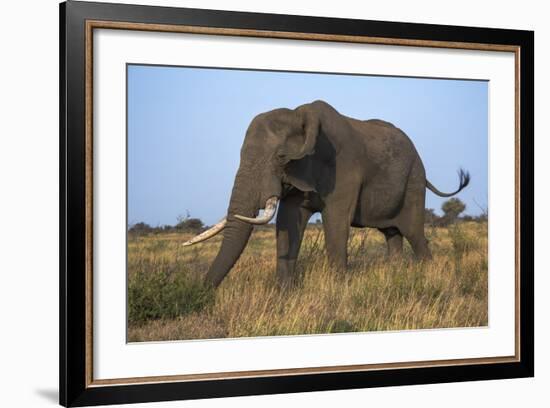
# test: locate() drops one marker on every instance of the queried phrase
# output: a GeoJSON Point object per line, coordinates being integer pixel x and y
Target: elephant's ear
{"type": "Point", "coordinates": [302, 143]}
{"type": "Point", "coordinates": [300, 150]}
{"type": "Point", "coordinates": [301, 174]}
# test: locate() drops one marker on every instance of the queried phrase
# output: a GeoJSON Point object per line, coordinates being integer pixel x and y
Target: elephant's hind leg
{"type": "Point", "coordinates": [412, 228]}
{"type": "Point", "coordinates": [292, 220]}
{"type": "Point", "coordinates": [411, 219]}
{"type": "Point", "coordinates": [394, 240]}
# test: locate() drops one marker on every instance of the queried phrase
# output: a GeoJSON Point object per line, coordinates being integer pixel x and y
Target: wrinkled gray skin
{"type": "Point", "coordinates": [355, 173]}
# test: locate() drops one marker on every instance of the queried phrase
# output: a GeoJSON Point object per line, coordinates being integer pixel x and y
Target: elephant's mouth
{"type": "Point", "coordinates": [268, 214]}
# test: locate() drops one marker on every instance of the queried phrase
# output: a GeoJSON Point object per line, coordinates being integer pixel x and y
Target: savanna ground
{"type": "Point", "coordinates": [166, 299]}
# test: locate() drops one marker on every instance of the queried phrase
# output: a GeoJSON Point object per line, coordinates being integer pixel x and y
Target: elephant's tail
{"type": "Point", "coordinates": [464, 181]}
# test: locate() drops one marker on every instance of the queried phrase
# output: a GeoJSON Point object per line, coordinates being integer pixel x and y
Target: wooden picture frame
{"type": "Point", "coordinates": [78, 20]}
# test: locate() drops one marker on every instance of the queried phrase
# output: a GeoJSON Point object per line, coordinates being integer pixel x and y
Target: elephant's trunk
{"type": "Point", "coordinates": [235, 238]}
{"type": "Point", "coordinates": [244, 201]}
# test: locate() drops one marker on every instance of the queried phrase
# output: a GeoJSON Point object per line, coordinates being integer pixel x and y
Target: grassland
{"type": "Point", "coordinates": [166, 300]}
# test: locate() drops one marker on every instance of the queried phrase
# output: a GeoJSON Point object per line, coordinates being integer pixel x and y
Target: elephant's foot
{"type": "Point", "coordinates": [339, 266]}
{"type": "Point", "coordinates": [287, 278]}
{"type": "Point", "coordinates": [420, 248]}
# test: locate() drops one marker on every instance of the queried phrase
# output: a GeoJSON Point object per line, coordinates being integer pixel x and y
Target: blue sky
{"type": "Point", "coordinates": [186, 127]}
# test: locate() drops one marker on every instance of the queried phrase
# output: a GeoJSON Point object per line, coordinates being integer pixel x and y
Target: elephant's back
{"type": "Point", "coordinates": [377, 134]}
{"type": "Point", "coordinates": [373, 127]}
{"type": "Point", "coordinates": [379, 122]}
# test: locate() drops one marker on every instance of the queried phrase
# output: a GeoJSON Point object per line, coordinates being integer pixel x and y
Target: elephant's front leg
{"type": "Point", "coordinates": [336, 224]}
{"type": "Point", "coordinates": [292, 219]}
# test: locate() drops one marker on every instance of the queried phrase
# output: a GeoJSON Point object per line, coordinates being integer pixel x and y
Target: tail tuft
{"type": "Point", "coordinates": [464, 178]}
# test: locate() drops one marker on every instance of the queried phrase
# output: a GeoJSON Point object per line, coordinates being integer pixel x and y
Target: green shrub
{"type": "Point", "coordinates": [165, 295]}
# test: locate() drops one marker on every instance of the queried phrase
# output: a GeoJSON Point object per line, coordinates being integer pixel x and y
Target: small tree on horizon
{"type": "Point", "coordinates": [140, 228]}
{"type": "Point", "coordinates": [451, 209]}
{"type": "Point", "coordinates": [188, 224]}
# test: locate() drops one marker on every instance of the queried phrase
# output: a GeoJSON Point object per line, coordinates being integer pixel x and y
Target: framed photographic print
{"type": "Point", "coordinates": [256, 203]}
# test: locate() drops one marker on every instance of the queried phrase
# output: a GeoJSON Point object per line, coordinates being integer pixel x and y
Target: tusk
{"type": "Point", "coordinates": [209, 233]}
{"type": "Point", "coordinates": [269, 212]}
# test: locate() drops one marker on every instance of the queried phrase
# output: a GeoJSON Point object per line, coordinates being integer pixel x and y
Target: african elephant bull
{"type": "Point", "coordinates": [313, 159]}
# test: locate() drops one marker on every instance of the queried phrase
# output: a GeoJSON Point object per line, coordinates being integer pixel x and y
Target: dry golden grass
{"type": "Point", "coordinates": [168, 302]}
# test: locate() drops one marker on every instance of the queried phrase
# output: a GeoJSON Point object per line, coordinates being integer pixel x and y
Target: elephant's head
{"type": "Point", "coordinates": [277, 151]}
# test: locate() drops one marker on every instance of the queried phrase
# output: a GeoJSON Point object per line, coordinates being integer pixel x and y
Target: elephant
{"type": "Point", "coordinates": [356, 173]}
